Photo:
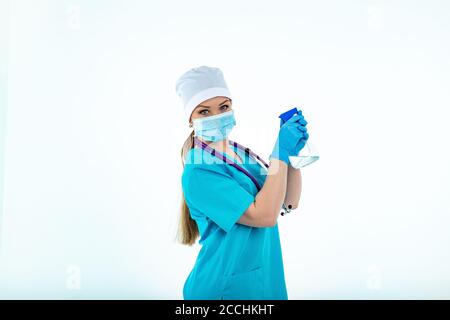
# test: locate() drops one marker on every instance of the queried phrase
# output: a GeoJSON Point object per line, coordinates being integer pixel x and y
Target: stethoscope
{"type": "Point", "coordinates": [221, 156]}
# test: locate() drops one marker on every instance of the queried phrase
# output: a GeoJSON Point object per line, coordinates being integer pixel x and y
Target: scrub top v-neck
{"type": "Point", "coordinates": [235, 261]}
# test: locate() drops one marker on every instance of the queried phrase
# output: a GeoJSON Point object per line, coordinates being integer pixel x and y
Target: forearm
{"type": "Point", "coordinates": [270, 198]}
{"type": "Point", "coordinates": [294, 187]}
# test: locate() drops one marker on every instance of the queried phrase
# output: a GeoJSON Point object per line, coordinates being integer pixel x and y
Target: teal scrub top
{"type": "Point", "coordinates": [235, 261]}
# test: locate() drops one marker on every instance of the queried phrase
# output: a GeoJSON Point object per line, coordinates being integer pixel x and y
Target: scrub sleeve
{"type": "Point", "coordinates": [218, 196]}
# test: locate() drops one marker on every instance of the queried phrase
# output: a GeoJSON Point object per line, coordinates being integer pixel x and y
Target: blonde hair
{"type": "Point", "coordinates": [187, 229]}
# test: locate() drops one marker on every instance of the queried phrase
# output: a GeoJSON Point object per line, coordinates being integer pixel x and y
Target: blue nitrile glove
{"type": "Point", "coordinates": [299, 146]}
{"type": "Point", "coordinates": [291, 137]}
{"type": "Point", "coordinates": [302, 141]}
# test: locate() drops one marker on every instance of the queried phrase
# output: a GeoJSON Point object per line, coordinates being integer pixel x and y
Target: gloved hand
{"type": "Point", "coordinates": [291, 139]}
{"type": "Point", "coordinates": [302, 142]}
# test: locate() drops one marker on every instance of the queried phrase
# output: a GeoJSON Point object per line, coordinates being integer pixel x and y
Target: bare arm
{"type": "Point", "coordinates": [264, 211]}
{"type": "Point", "coordinates": [294, 187]}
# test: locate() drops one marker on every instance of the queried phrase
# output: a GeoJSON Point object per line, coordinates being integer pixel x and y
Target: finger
{"type": "Point", "coordinates": [297, 126]}
{"type": "Point", "coordinates": [300, 144]}
{"type": "Point", "coordinates": [300, 121]}
{"type": "Point", "coordinates": [294, 118]}
{"type": "Point", "coordinates": [294, 124]}
{"type": "Point", "coordinates": [302, 135]}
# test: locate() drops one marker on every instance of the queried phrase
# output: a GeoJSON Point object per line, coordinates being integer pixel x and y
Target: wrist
{"type": "Point", "coordinates": [280, 155]}
{"type": "Point", "coordinates": [278, 162]}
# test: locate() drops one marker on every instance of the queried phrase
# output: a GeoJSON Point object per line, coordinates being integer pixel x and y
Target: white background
{"type": "Point", "coordinates": [93, 131]}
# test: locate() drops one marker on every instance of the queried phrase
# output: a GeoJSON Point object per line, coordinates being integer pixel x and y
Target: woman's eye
{"type": "Point", "coordinates": [203, 112]}
{"type": "Point", "coordinates": [225, 106]}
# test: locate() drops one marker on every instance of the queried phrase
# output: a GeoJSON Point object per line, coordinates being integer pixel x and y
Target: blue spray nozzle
{"type": "Point", "coordinates": [288, 114]}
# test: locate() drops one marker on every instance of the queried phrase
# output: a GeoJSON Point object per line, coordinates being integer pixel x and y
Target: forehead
{"type": "Point", "coordinates": [214, 101]}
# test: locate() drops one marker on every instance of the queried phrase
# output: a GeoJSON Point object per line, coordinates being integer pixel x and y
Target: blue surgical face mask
{"type": "Point", "coordinates": [214, 128]}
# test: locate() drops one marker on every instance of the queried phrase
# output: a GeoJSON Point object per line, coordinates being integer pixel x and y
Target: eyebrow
{"type": "Point", "coordinates": [219, 103]}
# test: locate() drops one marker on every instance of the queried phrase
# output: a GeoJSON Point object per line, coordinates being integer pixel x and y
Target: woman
{"type": "Point", "coordinates": [234, 214]}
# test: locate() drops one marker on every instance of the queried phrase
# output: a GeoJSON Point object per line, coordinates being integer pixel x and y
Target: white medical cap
{"type": "Point", "coordinates": [199, 84]}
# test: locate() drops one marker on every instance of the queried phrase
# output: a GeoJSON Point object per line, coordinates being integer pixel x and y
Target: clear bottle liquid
{"type": "Point", "coordinates": [306, 156]}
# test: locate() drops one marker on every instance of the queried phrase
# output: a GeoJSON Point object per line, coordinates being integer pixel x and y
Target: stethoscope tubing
{"type": "Point", "coordinates": [221, 156]}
